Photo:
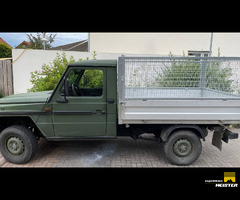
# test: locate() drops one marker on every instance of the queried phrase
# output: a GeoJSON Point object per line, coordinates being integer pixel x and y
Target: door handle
{"type": "Point", "coordinates": [110, 100]}
{"type": "Point", "coordinates": [99, 112]}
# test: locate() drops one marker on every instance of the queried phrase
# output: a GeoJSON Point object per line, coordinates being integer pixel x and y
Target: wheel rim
{"type": "Point", "coordinates": [15, 146]}
{"type": "Point", "coordinates": [182, 147]}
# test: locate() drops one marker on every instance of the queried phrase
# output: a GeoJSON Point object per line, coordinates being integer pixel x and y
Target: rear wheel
{"type": "Point", "coordinates": [18, 144]}
{"type": "Point", "coordinates": [183, 147]}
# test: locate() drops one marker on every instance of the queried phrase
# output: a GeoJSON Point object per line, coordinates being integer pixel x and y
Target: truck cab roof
{"type": "Point", "coordinates": [94, 63]}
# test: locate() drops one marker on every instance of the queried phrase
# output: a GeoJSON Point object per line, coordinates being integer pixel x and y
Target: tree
{"type": "Point", "coordinates": [5, 51]}
{"type": "Point", "coordinates": [37, 42]}
{"type": "Point", "coordinates": [48, 77]}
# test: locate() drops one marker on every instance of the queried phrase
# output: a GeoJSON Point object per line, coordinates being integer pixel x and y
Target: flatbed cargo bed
{"type": "Point", "coordinates": [197, 91]}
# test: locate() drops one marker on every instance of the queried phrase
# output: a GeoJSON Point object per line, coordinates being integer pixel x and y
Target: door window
{"type": "Point", "coordinates": [88, 83]}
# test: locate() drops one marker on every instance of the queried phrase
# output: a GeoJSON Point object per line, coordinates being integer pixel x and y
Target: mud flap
{"type": "Point", "coordinates": [217, 137]}
{"type": "Point", "coordinates": [219, 134]}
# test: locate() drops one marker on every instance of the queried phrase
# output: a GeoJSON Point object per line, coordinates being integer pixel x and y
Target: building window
{"type": "Point", "coordinates": [198, 53]}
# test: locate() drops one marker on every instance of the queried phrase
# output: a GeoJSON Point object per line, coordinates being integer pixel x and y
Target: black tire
{"type": "Point", "coordinates": [18, 144]}
{"type": "Point", "coordinates": [183, 147]}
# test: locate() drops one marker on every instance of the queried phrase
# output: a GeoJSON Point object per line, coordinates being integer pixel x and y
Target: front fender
{"type": "Point", "coordinates": [32, 110]}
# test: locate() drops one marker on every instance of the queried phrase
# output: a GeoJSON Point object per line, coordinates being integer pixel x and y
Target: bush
{"type": "Point", "coordinates": [49, 76]}
{"type": "Point", "coordinates": [184, 74]}
{"type": "Point", "coordinates": [5, 51]}
{"type": "Point", "coordinates": [1, 94]}
{"type": "Point", "coordinates": [189, 75]}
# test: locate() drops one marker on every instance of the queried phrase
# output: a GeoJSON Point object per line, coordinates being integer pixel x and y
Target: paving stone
{"type": "Point", "coordinates": [124, 152]}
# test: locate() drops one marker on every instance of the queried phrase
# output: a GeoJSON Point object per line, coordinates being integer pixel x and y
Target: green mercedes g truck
{"type": "Point", "coordinates": [104, 99]}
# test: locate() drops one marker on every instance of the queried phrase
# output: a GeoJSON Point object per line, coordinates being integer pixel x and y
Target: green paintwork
{"type": "Point", "coordinates": [94, 63]}
{"type": "Point", "coordinates": [77, 125]}
{"type": "Point", "coordinates": [33, 97]}
{"type": "Point", "coordinates": [82, 118]}
{"type": "Point", "coordinates": [15, 145]}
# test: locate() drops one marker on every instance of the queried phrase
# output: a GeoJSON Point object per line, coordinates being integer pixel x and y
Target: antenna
{"type": "Point", "coordinates": [44, 39]}
{"type": "Point", "coordinates": [211, 41]}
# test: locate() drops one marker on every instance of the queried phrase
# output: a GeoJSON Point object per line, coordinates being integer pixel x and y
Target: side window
{"type": "Point", "coordinates": [87, 82]}
{"type": "Point", "coordinates": [91, 83]}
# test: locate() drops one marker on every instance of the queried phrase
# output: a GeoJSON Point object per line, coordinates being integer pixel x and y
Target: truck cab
{"type": "Point", "coordinates": [84, 102]}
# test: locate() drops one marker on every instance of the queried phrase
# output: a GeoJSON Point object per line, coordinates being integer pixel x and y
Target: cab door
{"type": "Point", "coordinates": [81, 112]}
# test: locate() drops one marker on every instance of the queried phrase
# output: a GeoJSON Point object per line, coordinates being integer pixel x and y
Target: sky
{"type": "Point", "coordinates": [62, 38]}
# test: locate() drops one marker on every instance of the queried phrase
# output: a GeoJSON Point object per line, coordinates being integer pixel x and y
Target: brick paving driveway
{"type": "Point", "coordinates": [124, 152]}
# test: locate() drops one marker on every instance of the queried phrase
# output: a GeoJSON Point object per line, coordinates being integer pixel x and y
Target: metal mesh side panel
{"type": "Point", "coordinates": [185, 78]}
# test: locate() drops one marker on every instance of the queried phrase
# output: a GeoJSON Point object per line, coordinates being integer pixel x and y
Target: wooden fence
{"type": "Point", "coordinates": [6, 76]}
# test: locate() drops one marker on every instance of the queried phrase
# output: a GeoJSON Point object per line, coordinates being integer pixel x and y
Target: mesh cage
{"type": "Point", "coordinates": [182, 77]}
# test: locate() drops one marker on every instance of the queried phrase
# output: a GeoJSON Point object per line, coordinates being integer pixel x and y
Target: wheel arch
{"type": "Point", "coordinates": [201, 131]}
{"type": "Point", "coordinates": [26, 121]}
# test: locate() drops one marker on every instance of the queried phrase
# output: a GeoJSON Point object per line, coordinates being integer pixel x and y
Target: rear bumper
{"type": "Point", "coordinates": [221, 134]}
{"type": "Point", "coordinates": [229, 135]}
{"type": "Point", "coordinates": [233, 135]}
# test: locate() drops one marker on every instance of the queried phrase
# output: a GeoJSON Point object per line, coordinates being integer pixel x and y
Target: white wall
{"type": "Point", "coordinates": [229, 43]}
{"type": "Point", "coordinates": [31, 60]}
{"type": "Point", "coordinates": [27, 61]}
{"type": "Point", "coordinates": [163, 43]}
{"type": "Point", "coordinates": [112, 45]}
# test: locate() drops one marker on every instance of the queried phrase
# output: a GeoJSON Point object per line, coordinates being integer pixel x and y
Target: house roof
{"type": "Point", "coordinates": [4, 42]}
{"type": "Point", "coordinates": [76, 46]}
{"type": "Point", "coordinates": [24, 43]}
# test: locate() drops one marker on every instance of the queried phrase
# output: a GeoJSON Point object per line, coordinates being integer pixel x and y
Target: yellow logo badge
{"type": "Point", "coordinates": [229, 177]}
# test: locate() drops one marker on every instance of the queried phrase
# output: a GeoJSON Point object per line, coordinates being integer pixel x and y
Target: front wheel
{"type": "Point", "coordinates": [183, 147]}
{"type": "Point", "coordinates": [18, 144]}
